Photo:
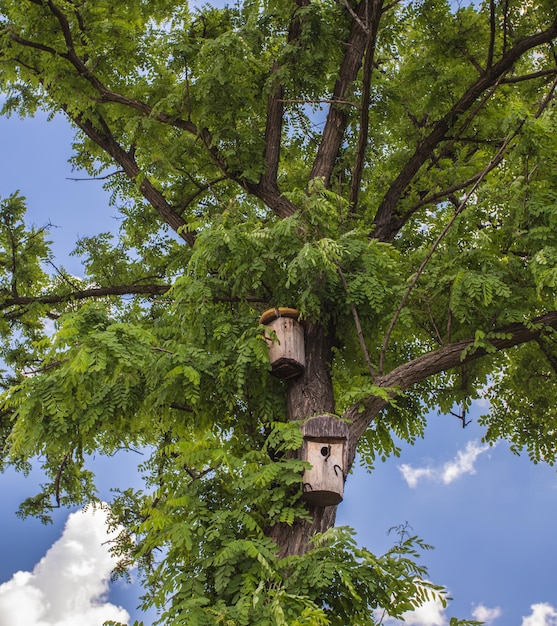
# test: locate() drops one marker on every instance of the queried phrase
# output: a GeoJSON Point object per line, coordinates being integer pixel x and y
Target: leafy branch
{"type": "Point", "coordinates": [443, 359]}
{"type": "Point", "coordinates": [387, 221]}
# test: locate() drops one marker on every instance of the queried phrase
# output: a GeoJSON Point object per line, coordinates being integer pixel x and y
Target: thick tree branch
{"type": "Point", "coordinates": [492, 32]}
{"type": "Point", "coordinates": [106, 141]}
{"type": "Point", "coordinates": [272, 197]}
{"type": "Point", "coordinates": [274, 121]}
{"type": "Point", "coordinates": [363, 135]}
{"type": "Point", "coordinates": [275, 109]}
{"type": "Point", "coordinates": [273, 134]}
{"type": "Point", "coordinates": [8, 301]}
{"type": "Point", "coordinates": [265, 191]}
{"type": "Point", "coordinates": [337, 118]}
{"type": "Point", "coordinates": [453, 355]}
{"type": "Point", "coordinates": [387, 221]}
{"type": "Point", "coordinates": [436, 197]}
{"type": "Point", "coordinates": [93, 292]}
{"type": "Point", "coordinates": [33, 44]}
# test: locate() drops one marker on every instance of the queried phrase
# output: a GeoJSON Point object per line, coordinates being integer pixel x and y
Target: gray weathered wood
{"type": "Point", "coordinates": [286, 353]}
{"type": "Point", "coordinates": [325, 444]}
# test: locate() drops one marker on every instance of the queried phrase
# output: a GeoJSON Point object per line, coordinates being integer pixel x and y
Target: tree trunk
{"type": "Point", "coordinates": [310, 394]}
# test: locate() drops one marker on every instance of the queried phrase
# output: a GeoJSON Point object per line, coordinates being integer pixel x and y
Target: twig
{"type": "Point", "coordinates": [363, 26]}
{"type": "Point", "coordinates": [63, 275]}
{"type": "Point", "coordinates": [361, 339]}
{"type": "Point", "coordinates": [324, 101]}
{"type": "Point", "coordinates": [128, 449]}
{"type": "Point", "coordinates": [181, 407]}
{"type": "Point", "coordinates": [462, 417]}
{"type": "Point", "coordinates": [490, 166]}
{"type": "Point", "coordinates": [97, 177]}
{"type": "Point", "coordinates": [59, 479]}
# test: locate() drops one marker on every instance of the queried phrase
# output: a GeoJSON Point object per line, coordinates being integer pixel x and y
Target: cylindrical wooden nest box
{"type": "Point", "coordinates": [325, 447]}
{"type": "Point", "coordinates": [286, 352]}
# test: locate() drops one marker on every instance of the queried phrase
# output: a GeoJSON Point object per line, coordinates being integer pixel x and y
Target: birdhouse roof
{"type": "Point", "coordinates": [325, 427]}
{"type": "Point", "coordinates": [273, 314]}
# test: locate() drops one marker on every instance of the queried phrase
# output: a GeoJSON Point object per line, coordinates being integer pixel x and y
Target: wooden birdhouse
{"type": "Point", "coordinates": [286, 342]}
{"type": "Point", "coordinates": [325, 447]}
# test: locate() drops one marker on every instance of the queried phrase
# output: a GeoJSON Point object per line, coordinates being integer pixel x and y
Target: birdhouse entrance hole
{"type": "Point", "coordinates": [325, 439]}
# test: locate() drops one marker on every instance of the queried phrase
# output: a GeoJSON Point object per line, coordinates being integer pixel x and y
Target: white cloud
{"type": "Point", "coordinates": [543, 614]}
{"type": "Point", "coordinates": [485, 614]}
{"type": "Point", "coordinates": [431, 613]}
{"type": "Point", "coordinates": [462, 464]}
{"type": "Point", "coordinates": [69, 584]}
{"type": "Point", "coordinates": [412, 475]}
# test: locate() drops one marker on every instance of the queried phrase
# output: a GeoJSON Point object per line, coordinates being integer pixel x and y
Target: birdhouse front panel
{"type": "Point", "coordinates": [323, 484]}
{"type": "Point", "coordinates": [286, 352]}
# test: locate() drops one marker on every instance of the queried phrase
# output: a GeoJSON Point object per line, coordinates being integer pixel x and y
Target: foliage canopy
{"type": "Point", "coordinates": [387, 168]}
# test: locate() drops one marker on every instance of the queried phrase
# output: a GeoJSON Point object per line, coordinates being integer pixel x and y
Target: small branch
{"type": "Point", "coordinates": [547, 99]}
{"type": "Point", "coordinates": [181, 407]}
{"type": "Point", "coordinates": [198, 475]}
{"type": "Point", "coordinates": [519, 79]}
{"type": "Point", "coordinates": [356, 18]}
{"type": "Point", "coordinates": [273, 132]}
{"type": "Point", "coordinates": [201, 189]}
{"type": "Point", "coordinates": [361, 338]}
{"type": "Point", "coordinates": [40, 370]}
{"type": "Point", "coordinates": [462, 417]}
{"type": "Point", "coordinates": [63, 275]}
{"type": "Point", "coordinates": [432, 321]}
{"type": "Point", "coordinates": [392, 4]}
{"type": "Point", "coordinates": [324, 101]}
{"type": "Point", "coordinates": [127, 449]}
{"type": "Point", "coordinates": [159, 349]}
{"type": "Point", "coordinates": [490, 166]}
{"type": "Point", "coordinates": [98, 177]}
{"type": "Point", "coordinates": [58, 479]}
{"type": "Point", "coordinates": [445, 193]}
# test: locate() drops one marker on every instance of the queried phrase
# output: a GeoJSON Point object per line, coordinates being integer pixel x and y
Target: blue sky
{"type": "Point", "coordinates": [489, 514]}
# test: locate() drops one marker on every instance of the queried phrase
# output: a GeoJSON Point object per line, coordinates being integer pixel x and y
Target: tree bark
{"type": "Point", "coordinates": [310, 394]}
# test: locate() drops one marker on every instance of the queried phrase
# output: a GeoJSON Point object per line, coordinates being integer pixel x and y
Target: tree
{"type": "Point", "coordinates": [387, 168]}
